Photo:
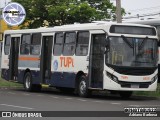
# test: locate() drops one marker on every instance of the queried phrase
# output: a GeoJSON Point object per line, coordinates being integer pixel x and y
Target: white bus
{"type": "Point", "coordinates": [83, 57]}
{"type": "Point", "coordinates": [156, 23]}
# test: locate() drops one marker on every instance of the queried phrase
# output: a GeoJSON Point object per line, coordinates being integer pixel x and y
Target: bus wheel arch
{"type": "Point", "coordinates": [28, 82]}
{"type": "Point", "coordinates": [82, 85]}
{"type": "Point", "coordinates": [79, 74]}
{"type": "Point", "coordinates": [27, 70]}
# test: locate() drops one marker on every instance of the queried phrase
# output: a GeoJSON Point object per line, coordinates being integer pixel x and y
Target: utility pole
{"type": "Point", "coordinates": [118, 11]}
{"type": "Point", "coordinates": [5, 2]}
{"type": "Point", "coordinates": [0, 24]}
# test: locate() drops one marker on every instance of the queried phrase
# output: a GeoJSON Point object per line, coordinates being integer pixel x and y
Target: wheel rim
{"type": "Point", "coordinates": [28, 82]}
{"type": "Point", "coordinates": [82, 87]}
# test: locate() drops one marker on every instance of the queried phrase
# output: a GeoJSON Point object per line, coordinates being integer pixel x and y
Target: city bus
{"type": "Point", "coordinates": [120, 58]}
{"type": "Point", "coordinates": [156, 23]}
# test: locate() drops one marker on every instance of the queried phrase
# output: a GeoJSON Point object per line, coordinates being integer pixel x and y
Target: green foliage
{"type": "Point", "coordinates": [4, 83]}
{"type": "Point", "coordinates": [151, 94]}
{"type": "Point", "coordinates": [59, 12]}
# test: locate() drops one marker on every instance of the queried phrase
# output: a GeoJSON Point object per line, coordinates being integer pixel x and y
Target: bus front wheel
{"type": "Point", "coordinates": [83, 90]}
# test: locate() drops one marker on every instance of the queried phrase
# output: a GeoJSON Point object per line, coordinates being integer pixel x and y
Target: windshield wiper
{"type": "Point", "coordinates": [125, 39]}
{"type": "Point", "coordinates": [142, 44]}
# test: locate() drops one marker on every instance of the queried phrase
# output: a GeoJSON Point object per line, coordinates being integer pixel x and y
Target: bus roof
{"type": "Point", "coordinates": [154, 22]}
{"type": "Point", "coordinates": [73, 27]}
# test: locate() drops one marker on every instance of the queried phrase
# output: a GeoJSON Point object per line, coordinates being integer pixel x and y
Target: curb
{"type": "Point", "coordinates": [5, 88]}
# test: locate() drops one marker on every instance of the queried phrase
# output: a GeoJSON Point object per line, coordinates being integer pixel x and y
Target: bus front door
{"type": "Point", "coordinates": [97, 60]}
{"type": "Point", "coordinates": [46, 54]}
{"type": "Point", "coordinates": [13, 58]}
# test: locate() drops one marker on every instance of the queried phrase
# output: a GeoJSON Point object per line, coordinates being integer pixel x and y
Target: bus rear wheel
{"type": "Point", "coordinates": [83, 90]}
{"type": "Point", "coordinates": [125, 94]}
{"type": "Point", "coordinates": [28, 84]}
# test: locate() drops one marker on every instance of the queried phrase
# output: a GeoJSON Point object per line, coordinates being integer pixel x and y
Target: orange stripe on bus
{"type": "Point", "coordinates": [29, 58]}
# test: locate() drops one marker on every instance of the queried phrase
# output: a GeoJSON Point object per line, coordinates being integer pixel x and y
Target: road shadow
{"type": "Point", "coordinates": [102, 95]}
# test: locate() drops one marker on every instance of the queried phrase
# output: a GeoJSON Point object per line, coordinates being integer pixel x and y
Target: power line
{"type": "Point", "coordinates": [149, 8]}
{"type": "Point", "coordinates": [143, 15]}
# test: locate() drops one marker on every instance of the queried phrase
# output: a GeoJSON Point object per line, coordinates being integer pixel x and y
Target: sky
{"type": "Point", "coordinates": [2, 3]}
{"type": "Point", "coordinates": [133, 6]}
{"type": "Point", "coordinates": [140, 6]}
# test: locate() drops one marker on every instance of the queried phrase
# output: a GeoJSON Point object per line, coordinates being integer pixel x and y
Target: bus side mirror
{"type": "Point", "coordinates": [107, 44]}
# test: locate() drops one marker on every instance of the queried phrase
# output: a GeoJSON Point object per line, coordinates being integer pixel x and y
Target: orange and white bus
{"type": "Point", "coordinates": [83, 57]}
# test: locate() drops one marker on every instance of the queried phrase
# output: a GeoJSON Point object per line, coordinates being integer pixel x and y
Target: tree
{"type": "Point", "coordinates": [59, 12]}
{"type": "Point", "coordinates": [68, 14]}
{"type": "Point", "coordinates": [36, 13]}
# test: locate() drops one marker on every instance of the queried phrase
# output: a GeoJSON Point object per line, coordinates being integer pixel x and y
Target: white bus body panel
{"type": "Point", "coordinates": [109, 84]}
{"type": "Point", "coordinates": [70, 64]}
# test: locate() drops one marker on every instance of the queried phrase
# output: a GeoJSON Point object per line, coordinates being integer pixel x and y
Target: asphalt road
{"type": "Point", "coordinates": [53, 100]}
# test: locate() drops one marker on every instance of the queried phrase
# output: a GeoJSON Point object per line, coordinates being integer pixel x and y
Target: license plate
{"type": "Point", "coordinates": [134, 86]}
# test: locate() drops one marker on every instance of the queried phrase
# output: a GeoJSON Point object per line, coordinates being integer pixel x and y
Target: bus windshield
{"type": "Point", "coordinates": [132, 52]}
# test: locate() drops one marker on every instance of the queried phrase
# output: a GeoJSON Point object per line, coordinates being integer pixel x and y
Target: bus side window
{"type": "Point", "coordinates": [35, 44]}
{"type": "Point", "coordinates": [82, 44]}
{"type": "Point", "coordinates": [25, 44]}
{"type": "Point", "coordinates": [69, 44]}
{"type": "Point", "coordinates": [7, 44]}
{"type": "Point", "coordinates": [58, 44]}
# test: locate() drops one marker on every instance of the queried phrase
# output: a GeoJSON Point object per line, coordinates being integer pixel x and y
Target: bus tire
{"type": "Point", "coordinates": [125, 94]}
{"type": "Point", "coordinates": [28, 82]}
{"type": "Point", "coordinates": [83, 90]}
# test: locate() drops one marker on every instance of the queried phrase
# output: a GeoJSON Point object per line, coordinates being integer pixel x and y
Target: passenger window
{"type": "Point", "coordinates": [35, 44]}
{"type": "Point", "coordinates": [58, 44]}
{"type": "Point", "coordinates": [36, 39]}
{"type": "Point", "coordinates": [25, 44]}
{"type": "Point", "coordinates": [26, 39]}
{"type": "Point", "coordinates": [69, 45]}
{"type": "Point", "coordinates": [7, 44]}
{"type": "Point", "coordinates": [82, 43]}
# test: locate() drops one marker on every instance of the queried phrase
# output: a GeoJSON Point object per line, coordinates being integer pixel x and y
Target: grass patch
{"type": "Point", "coordinates": [150, 94]}
{"type": "Point", "coordinates": [4, 83]}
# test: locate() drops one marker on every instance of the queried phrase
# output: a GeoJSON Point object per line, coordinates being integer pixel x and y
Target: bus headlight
{"type": "Point", "coordinates": [112, 77]}
{"type": "Point", "coordinates": [154, 79]}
